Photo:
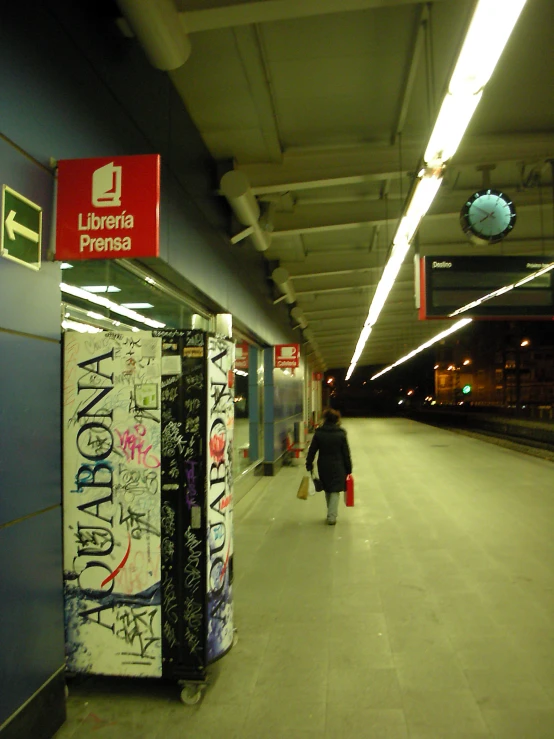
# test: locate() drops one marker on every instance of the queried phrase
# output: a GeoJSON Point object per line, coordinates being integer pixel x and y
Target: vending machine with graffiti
{"type": "Point", "coordinates": [112, 460]}
{"type": "Point", "coordinates": [220, 495]}
{"type": "Point", "coordinates": [148, 439]}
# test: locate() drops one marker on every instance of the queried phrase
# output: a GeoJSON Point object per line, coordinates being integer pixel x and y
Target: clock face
{"type": "Point", "coordinates": [488, 215]}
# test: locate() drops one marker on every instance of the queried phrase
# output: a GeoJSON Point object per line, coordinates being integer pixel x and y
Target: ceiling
{"type": "Point", "coordinates": [327, 105]}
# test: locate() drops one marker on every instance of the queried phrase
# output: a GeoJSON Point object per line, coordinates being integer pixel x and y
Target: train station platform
{"type": "Point", "coordinates": [426, 613]}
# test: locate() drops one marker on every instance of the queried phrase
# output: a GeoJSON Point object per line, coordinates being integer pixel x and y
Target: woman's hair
{"type": "Point", "coordinates": [330, 415]}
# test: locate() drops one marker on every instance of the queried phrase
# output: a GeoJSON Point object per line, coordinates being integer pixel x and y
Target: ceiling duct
{"type": "Point", "coordinates": [158, 27]}
{"type": "Point", "coordinates": [281, 278]}
{"type": "Point", "coordinates": [236, 188]}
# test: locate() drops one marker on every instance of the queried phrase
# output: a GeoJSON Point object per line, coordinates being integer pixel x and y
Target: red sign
{"type": "Point", "coordinates": [108, 208]}
{"type": "Point", "coordinates": [287, 356]}
{"type": "Point", "coordinates": [241, 356]}
{"type": "Point", "coordinates": [317, 376]}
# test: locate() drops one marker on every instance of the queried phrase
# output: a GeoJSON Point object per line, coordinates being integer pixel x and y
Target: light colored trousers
{"type": "Point", "coordinates": [332, 505]}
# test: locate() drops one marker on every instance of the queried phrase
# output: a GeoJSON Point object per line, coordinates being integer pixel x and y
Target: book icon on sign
{"type": "Point", "coordinates": [106, 186]}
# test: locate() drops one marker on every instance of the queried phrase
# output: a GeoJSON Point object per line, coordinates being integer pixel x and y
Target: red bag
{"type": "Point", "coordinates": [349, 494]}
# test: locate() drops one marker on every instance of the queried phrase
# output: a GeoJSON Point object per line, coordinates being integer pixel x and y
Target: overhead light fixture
{"type": "Point", "coordinates": [491, 25]}
{"type": "Point", "coordinates": [281, 278]}
{"type": "Point", "coordinates": [423, 194]}
{"type": "Point", "coordinates": [426, 188]}
{"type": "Point", "coordinates": [66, 265]}
{"type": "Point", "coordinates": [79, 292]}
{"type": "Point", "coordinates": [298, 316]}
{"type": "Point", "coordinates": [150, 280]}
{"type": "Point", "coordinates": [137, 305]}
{"type": "Point", "coordinates": [364, 336]}
{"type": "Point", "coordinates": [82, 328]}
{"type": "Point", "coordinates": [236, 188]}
{"type": "Point", "coordinates": [453, 119]}
{"type": "Point", "coordinates": [101, 288]}
{"type": "Point", "coordinates": [82, 315]}
{"type": "Point", "coordinates": [456, 327]}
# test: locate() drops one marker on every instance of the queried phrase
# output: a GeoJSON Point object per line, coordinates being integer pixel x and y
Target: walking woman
{"type": "Point", "coordinates": [333, 462]}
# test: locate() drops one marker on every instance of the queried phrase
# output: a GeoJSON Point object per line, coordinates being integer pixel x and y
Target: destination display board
{"type": "Point", "coordinates": [449, 283]}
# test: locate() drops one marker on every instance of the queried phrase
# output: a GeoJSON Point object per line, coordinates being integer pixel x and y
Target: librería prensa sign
{"type": "Point", "coordinates": [108, 207]}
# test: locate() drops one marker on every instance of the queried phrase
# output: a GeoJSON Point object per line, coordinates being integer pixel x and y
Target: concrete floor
{"type": "Point", "coordinates": [426, 613]}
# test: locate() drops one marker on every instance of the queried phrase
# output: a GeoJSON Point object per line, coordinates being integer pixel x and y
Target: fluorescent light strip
{"type": "Point", "coordinates": [82, 328]}
{"type": "Point", "coordinates": [456, 327]}
{"type": "Point", "coordinates": [502, 290]}
{"type": "Point", "coordinates": [491, 26]}
{"type": "Point", "coordinates": [453, 119]}
{"type": "Point", "coordinates": [102, 288]}
{"type": "Point", "coordinates": [422, 197]}
{"type": "Point", "coordinates": [78, 292]}
{"type": "Point", "coordinates": [75, 313]}
{"type": "Point", "coordinates": [487, 35]}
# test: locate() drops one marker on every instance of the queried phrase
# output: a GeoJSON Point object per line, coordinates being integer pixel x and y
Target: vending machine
{"type": "Point", "coordinates": [147, 503]}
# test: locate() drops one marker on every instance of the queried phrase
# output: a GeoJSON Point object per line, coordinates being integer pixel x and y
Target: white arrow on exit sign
{"type": "Point", "coordinates": [13, 228]}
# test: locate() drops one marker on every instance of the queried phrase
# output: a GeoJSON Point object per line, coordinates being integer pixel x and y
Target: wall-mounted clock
{"type": "Point", "coordinates": [488, 216]}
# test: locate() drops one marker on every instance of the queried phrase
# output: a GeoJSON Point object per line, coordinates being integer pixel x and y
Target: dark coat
{"type": "Point", "coordinates": [333, 462]}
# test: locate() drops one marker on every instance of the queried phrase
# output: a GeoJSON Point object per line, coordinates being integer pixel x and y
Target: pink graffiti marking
{"type": "Point", "coordinates": [134, 447]}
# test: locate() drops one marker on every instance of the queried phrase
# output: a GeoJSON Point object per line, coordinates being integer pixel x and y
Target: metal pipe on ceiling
{"type": "Point", "coordinates": [158, 27]}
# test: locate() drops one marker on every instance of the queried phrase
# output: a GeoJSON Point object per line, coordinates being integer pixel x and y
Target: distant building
{"type": "Point", "coordinates": [499, 364]}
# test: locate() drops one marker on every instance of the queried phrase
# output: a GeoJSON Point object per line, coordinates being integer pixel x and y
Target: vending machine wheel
{"type": "Point", "coordinates": [191, 692]}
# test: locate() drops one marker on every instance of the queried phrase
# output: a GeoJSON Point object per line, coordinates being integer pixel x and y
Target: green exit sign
{"type": "Point", "coordinates": [21, 229]}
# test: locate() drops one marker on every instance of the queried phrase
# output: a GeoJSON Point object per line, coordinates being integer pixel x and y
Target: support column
{"type": "Point", "coordinates": [254, 451]}
{"type": "Point", "coordinates": [269, 412]}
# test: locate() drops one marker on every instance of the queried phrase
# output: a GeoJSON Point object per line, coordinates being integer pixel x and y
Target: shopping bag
{"type": "Point", "coordinates": [349, 492]}
{"type": "Point", "coordinates": [318, 485]}
{"type": "Point", "coordinates": [311, 486]}
{"type": "Point", "coordinates": [303, 490]}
